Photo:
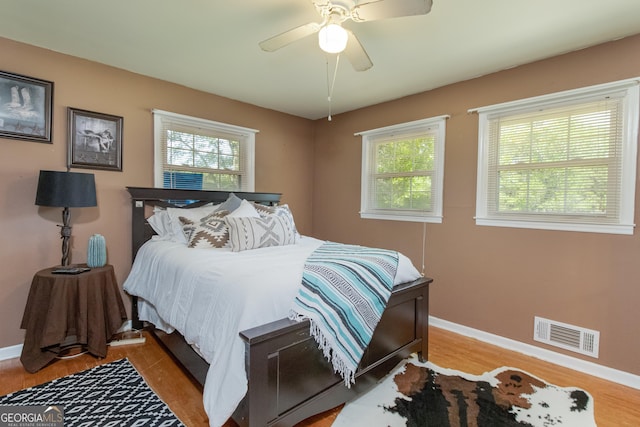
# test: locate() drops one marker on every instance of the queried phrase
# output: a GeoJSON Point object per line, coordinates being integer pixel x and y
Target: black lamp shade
{"type": "Point", "coordinates": [66, 189]}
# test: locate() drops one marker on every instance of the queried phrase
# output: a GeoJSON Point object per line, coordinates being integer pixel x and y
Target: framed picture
{"type": "Point", "coordinates": [25, 108]}
{"type": "Point", "coordinates": [95, 140]}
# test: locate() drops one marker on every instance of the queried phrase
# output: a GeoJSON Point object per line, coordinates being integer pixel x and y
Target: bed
{"type": "Point", "coordinates": [285, 378]}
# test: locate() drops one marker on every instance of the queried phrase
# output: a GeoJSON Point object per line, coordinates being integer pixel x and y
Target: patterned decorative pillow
{"type": "Point", "coordinates": [282, 211]}
{"type": "Point", "coordinates": [193, 214]}
{"type": "Point", "coordinates": [208, 232]}
{"type": "Point", "coordinates": [252, 233]}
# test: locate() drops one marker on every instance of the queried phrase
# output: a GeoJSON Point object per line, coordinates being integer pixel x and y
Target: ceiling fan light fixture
{"type": "Point", "coordinates": [332, 38]}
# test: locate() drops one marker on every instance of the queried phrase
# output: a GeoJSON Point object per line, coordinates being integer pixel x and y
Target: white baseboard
{"type": "Point", "coordinates": [15, 350]}
{"type": "Point", "coordinates": [10, 352]}
{"type": "Point", "coordinates": [590, 368]}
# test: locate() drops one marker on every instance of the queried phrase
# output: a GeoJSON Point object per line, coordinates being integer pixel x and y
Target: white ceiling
{"type": "Point", "coordinates": [212, 45]}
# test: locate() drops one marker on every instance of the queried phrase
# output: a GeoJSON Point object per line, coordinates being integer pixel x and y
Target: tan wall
{"type": "Point", "coordinates": [489, 278]}
{"type": "Point", "coordinates": [30, 240]}
{"type": "Point", "coordinates": [493, 279]}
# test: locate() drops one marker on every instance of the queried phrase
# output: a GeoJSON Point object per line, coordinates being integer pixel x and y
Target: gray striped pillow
{"type": "Point", "coordinates": [251, 233]}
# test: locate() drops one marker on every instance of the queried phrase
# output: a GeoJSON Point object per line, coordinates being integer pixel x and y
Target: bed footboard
{"type": "Point", "coordinates": [290, 380]}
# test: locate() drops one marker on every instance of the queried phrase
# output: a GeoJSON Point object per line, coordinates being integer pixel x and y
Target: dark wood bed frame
{"type": "Point", "coordinates": [289, 379]}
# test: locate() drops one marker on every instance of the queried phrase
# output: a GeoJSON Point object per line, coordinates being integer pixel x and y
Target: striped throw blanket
{"type": "Point", "coordinates": [345, 289]}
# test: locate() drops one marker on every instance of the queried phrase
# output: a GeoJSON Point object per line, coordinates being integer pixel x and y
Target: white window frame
{"type": "Point", "coordinates": [630, 105]}
{"type": "Point", "coordinates": [434, 125]}
{"type": "Point", "coordinates": [246, 136]}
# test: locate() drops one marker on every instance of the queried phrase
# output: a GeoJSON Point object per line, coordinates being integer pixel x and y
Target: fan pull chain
{"type": "Point", "coordinates": [331, 85]}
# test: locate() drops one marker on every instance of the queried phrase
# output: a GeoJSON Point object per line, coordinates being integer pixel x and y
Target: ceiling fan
{"type": "Point", "coordinates": [334, 38]}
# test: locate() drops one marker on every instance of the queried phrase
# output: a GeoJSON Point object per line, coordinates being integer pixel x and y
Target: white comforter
{"type": "Point", "coordinates": [210, 295]}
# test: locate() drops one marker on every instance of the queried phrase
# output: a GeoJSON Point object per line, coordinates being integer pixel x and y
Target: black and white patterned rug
{"type": "Point", "coordinates": [110, 395]}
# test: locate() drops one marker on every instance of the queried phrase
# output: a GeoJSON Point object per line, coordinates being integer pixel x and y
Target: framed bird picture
{"type": "Point", "coordinates": [25, 108]}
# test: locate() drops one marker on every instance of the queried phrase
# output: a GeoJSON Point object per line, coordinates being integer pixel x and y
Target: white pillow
{"type": "Point", "coordinates": [255, 232]}
{"type": "Point", "coordinates": [161, 223]}
{"type": "Point", "coordinates": [168, 226]}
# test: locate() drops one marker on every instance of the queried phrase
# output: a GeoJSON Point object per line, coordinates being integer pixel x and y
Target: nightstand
{"type": "Point", "coordinates": [87, 305]}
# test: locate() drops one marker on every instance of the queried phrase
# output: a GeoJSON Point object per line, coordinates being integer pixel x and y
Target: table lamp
{"type": "Point", "coordinates": [66, 190]}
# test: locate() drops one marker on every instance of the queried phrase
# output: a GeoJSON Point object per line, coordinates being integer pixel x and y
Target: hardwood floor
{"type": "Point", "coordinates": [615, 405]}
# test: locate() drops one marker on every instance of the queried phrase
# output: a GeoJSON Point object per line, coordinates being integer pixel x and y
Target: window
{"type": "Point", "coordinates": [402, 171]}
{"type": "Point", "coordinates": [193, 153]}
{"type": "Point", "coordinates": [565, 161]}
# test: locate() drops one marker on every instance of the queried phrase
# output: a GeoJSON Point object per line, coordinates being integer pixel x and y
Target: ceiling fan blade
{"type": "Point", "coordinates": [281, 40]}
{"type": "Point", "coordinates": [356, 54]}
{"type": "Point", "coordinates": [382, 9]}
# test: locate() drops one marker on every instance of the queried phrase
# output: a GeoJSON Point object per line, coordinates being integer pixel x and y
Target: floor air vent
{"type": "Point", "coordinates": [569, 337]}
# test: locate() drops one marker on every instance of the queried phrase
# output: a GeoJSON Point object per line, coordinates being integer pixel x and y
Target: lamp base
{"type": "Point", "coordinates": [65, 235]}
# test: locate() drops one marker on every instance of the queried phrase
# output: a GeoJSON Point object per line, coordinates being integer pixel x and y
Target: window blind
{"type": "Point", "coordinates": [564, 161]}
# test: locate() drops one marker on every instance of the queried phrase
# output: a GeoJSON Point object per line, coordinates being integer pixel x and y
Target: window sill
{"type": "Point", "coordinates": [559, 226]}
{"type": "Point", "coordinates": [397, 217]}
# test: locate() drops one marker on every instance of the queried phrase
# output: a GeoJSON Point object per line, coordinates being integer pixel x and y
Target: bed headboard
{"type": "Point", "coordinates": [142, 198]}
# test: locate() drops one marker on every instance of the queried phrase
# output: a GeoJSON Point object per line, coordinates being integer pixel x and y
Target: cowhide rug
{"type": "Point", "coordinates": [419, 394]}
